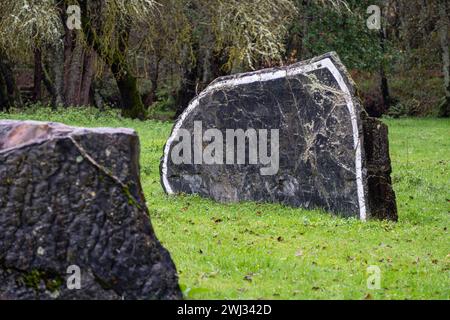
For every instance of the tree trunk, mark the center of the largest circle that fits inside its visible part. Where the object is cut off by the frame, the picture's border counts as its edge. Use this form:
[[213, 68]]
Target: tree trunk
[[73, 83], [48, 83], [87, 77], [188, 85], [424, 19], [404, 24], [154, 76], [444, 25], [4, 101], [132, 105], [37, 88], [97, 97], [73, 65], [207, 67], [8, 87], [207, 57], [56, 61], [80, 69], [384, 86]]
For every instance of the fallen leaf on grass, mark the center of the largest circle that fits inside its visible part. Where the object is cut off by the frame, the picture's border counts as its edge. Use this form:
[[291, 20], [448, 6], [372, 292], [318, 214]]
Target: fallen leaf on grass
[[249, 277]]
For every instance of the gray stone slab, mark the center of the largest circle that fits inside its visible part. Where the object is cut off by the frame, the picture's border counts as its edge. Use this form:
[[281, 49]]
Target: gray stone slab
[[324, 137]]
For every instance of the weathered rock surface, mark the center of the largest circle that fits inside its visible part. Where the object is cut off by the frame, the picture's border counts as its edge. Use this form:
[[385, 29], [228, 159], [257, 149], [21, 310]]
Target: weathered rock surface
[[331, 155], [72, 196]]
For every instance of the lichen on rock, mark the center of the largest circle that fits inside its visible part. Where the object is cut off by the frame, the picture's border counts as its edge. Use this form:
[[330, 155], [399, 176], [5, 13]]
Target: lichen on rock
[[329, 149], [65, 202]]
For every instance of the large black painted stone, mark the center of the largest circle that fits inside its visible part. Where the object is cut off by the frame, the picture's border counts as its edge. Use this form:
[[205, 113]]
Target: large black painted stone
[[324, 139], [72, 196]]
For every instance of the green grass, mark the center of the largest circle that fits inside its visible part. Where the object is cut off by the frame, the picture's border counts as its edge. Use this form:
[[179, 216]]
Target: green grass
[[268, 251]]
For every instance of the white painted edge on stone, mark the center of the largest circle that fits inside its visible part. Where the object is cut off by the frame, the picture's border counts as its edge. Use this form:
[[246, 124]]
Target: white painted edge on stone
[[356, 139], [267, 76]]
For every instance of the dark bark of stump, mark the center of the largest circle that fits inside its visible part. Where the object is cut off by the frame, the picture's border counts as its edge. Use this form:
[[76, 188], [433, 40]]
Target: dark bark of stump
[[381, 196]]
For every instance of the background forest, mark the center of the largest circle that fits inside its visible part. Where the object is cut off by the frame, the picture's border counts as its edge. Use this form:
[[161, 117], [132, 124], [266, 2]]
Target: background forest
[[150, 58]]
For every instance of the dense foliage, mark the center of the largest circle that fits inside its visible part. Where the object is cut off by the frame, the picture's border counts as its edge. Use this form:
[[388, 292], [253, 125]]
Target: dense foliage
[[155, 55]]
